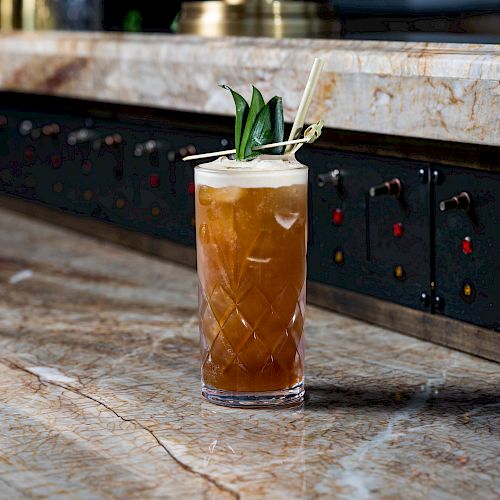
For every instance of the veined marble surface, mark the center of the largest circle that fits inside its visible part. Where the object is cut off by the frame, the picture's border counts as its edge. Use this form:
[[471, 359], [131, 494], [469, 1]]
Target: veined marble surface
[[100, 394], [426, 90]]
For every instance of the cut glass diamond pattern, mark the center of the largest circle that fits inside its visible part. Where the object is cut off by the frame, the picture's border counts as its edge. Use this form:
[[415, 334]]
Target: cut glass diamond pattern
[[235, 346]]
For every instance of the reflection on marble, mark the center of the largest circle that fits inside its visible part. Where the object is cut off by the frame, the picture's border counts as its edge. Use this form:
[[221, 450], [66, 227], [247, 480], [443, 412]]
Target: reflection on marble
[[99, 393], [427, 90]]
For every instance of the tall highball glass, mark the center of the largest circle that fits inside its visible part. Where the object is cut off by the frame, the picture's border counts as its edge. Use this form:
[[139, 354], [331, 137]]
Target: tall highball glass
[[251, 228]]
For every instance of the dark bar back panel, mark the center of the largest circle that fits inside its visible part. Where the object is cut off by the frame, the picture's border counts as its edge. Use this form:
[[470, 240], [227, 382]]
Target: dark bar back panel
[[376, 224]]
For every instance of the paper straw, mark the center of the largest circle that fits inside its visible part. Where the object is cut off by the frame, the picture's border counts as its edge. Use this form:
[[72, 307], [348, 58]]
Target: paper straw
[[300, 118]]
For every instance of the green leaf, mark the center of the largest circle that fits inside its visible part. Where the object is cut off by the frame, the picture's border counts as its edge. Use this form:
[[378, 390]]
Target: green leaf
[[255, 106], [241, 117], [268, 127], [278, 123]]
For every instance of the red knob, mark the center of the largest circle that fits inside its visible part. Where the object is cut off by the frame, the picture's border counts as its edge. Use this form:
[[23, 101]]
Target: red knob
[[154, 180], [56, 161], [86, 166], [467, 245], [191, 188], [29, 154], [338, 216], [397, 229]]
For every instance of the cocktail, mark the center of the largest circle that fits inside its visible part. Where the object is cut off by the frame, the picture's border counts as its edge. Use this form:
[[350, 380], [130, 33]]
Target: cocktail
[[251, 232], [251, 224]]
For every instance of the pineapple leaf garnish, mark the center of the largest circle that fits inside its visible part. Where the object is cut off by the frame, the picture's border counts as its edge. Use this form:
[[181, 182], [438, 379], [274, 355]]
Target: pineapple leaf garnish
[[241, 117], [257, 124], [268, 128], [255, 106]]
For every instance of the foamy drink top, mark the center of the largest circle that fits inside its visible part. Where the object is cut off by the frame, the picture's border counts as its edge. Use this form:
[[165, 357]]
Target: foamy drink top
[[262, 172]]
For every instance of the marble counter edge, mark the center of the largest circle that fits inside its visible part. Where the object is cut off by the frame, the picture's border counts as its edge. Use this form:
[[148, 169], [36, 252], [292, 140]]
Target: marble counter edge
[[424, 90], [408, 59]]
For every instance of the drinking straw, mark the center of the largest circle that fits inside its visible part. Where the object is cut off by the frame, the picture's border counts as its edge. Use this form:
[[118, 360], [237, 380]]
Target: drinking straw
[[300, 117]]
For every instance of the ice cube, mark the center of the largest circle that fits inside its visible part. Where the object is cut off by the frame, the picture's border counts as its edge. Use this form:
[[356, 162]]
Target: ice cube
[[287, 220], [228, 194], [204, 195]]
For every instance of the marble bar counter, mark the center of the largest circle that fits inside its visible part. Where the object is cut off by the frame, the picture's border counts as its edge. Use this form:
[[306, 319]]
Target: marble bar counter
[[425, 90], [100, 394]]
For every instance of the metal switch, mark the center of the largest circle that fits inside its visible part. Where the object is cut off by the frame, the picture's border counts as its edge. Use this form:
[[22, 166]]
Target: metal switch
[[460, 201], [392, 187], [332, 178]]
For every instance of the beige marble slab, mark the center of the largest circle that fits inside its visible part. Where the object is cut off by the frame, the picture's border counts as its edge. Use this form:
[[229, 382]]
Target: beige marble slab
[[99, 393], [425, 90]]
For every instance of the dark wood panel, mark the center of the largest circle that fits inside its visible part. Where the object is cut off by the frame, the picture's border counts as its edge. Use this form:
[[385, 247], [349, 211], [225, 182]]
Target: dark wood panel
[[442, 152], [180, 254], [434, 328]]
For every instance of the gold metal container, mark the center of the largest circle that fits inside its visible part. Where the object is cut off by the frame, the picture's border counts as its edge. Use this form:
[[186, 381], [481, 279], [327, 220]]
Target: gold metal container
[[268, 18], [27, 15], [10, 14], [50, 15]]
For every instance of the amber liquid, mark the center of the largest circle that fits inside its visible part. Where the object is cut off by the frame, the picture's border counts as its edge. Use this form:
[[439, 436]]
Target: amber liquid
[[251, 251]]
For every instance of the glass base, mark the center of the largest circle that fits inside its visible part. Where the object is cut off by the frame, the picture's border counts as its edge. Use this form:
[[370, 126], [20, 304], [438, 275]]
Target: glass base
[[268, 399]]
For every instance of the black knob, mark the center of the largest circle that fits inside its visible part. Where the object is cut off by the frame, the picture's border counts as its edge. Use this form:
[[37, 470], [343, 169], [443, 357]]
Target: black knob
[[436, 177], [423, 176], [438, 302], [147, 147], [425, 299], [392, 187], [111, 140], [25, 127], [332, 178], [460, 201], [50, 129], [80, 136], [3, 120]]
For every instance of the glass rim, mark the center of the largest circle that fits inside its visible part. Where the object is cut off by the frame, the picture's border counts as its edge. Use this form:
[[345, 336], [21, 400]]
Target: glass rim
[[240, 170]]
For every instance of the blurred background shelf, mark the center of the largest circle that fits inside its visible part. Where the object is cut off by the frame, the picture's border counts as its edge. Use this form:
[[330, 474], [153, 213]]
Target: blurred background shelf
[[471, 21]]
